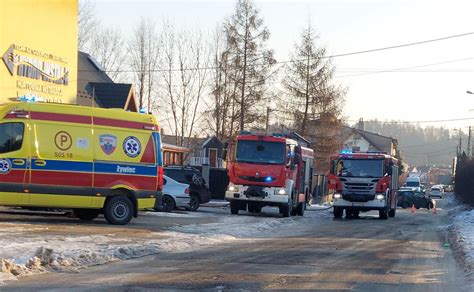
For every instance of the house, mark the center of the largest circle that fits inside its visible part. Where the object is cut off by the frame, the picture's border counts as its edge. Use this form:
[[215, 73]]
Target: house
[[95, 88], [357, 139], [195, 151]]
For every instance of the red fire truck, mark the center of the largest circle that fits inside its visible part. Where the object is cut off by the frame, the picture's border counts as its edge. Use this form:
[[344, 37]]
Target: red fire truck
[[269, 170], [364, 181]]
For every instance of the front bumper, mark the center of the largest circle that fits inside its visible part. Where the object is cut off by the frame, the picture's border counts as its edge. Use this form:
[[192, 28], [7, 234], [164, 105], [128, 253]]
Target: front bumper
[[267, 194], [369, 205]]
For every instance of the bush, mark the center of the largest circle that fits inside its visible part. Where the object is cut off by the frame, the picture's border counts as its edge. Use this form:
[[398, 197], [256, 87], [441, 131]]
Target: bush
[[464, 182]]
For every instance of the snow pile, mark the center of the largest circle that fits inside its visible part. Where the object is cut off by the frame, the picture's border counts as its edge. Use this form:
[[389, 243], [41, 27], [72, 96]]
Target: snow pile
[[37, 255], [28, 249], [463, 229]]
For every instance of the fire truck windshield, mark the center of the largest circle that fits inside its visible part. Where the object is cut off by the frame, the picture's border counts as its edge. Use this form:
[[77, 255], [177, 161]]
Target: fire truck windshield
[[261, 152], [360, 168]]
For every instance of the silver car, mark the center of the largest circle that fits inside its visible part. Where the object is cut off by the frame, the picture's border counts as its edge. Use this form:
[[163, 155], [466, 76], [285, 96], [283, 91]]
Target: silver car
[[175, 195], [436, 192]]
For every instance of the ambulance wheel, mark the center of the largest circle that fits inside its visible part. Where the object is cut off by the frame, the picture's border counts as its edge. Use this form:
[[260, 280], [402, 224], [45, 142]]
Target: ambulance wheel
[[338, 212], [86, 214], [234, 208], [118, 210]]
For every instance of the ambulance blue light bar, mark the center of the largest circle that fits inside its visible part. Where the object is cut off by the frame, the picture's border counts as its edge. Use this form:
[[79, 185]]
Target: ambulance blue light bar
[[345, 151]]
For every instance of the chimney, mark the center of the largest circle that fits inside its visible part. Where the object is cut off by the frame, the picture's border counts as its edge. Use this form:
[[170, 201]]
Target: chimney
[[360, 125]]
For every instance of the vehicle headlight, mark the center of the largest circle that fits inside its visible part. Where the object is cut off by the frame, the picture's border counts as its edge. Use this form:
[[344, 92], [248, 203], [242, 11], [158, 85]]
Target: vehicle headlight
[[380, 197], [233, 188], [280, 192], [337, 196]]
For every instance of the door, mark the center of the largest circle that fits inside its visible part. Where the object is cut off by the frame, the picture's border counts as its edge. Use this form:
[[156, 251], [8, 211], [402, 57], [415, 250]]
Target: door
[[13, 163], [213, 157], [61, 165]]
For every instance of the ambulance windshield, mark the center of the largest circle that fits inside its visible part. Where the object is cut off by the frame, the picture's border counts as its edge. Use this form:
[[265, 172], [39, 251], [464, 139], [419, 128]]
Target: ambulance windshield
[[11, 137]]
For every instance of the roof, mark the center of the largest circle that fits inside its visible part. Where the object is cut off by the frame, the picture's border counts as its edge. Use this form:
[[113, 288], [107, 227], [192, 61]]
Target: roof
[[89, 71], [110, 95], [193, 142], [380, 142], [93, 82]]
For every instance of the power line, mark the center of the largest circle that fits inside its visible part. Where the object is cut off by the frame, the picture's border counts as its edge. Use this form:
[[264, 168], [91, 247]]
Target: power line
[[294, 61], [414, 122]]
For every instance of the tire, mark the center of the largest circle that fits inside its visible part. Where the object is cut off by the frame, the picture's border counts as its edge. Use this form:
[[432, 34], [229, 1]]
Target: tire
[[300, 209], [392, 212], [118, 210], [167, 204], [338, 212], [234, 208], [430, 206], [405, 205], [286, 210], [86, 214], [383, 213], [193, 203]]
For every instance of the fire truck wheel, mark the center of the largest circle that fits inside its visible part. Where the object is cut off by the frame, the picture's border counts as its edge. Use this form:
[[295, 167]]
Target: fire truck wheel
[[234, 208], [392, 212], [300, 209], [118, 210], [383, 213], [86, 214], [286, 210], [338, 212]]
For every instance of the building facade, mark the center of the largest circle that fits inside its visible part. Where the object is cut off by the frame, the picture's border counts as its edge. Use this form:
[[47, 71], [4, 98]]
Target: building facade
[[39, 57]]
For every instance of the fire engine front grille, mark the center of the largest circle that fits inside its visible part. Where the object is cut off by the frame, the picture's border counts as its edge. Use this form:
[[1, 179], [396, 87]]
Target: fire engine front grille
[[358, 191]]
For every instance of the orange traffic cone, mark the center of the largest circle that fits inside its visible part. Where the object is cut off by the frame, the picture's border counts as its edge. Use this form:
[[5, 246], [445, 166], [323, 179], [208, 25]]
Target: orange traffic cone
[[413, 208], [434, 209]]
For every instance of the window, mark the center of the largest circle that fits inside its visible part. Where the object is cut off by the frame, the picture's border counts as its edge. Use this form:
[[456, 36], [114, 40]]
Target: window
[[261, 152], [11, 137], [360, 167]]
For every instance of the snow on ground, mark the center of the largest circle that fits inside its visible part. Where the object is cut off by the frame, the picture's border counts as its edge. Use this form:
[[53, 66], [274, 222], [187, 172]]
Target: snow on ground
[[29, 248], [462, 230]]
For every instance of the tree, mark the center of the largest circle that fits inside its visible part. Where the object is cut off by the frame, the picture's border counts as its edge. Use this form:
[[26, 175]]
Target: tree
[[106, 46], [248, 56], [221, 114], [311, 101], [185, 76], [87, 23], [307, 83], [144, 52]]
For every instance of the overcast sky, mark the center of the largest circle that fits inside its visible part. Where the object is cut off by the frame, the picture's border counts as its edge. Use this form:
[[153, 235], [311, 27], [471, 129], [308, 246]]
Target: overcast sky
[[426, 93]]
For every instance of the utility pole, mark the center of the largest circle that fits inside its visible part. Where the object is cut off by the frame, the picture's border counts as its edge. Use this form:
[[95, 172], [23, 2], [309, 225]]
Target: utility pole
[[469, 144], [460, 142]]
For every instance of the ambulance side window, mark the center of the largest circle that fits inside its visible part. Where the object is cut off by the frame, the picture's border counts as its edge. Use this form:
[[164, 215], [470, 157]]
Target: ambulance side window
[[11, 137]]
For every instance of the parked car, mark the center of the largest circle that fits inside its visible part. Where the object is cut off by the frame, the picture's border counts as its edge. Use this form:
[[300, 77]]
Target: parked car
[[198, 191], [406, 199], [436, 192], [175, 195]]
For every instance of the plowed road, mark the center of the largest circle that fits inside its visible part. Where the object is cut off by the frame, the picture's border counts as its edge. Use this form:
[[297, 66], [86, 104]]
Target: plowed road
[[405, 253]]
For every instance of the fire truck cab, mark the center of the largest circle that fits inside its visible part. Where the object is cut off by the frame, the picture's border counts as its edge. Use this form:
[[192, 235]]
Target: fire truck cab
[[364, 181], [269, 170]]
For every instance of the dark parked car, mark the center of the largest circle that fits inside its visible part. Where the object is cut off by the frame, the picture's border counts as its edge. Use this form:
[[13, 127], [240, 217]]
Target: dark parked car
[[406, 199], [197, 187]]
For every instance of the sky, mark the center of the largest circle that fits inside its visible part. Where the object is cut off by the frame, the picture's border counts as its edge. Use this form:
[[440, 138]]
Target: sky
[[434, 90]]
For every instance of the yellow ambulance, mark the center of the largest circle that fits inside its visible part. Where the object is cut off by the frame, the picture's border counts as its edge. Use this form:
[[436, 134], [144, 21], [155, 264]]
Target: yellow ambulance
[[90, 160]]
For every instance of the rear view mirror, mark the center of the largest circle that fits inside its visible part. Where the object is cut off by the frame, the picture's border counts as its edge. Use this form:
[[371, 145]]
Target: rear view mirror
[[296, 159]]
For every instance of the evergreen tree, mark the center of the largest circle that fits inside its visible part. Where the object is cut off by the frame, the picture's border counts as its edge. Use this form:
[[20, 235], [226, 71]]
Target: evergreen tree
[[251, 61]]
